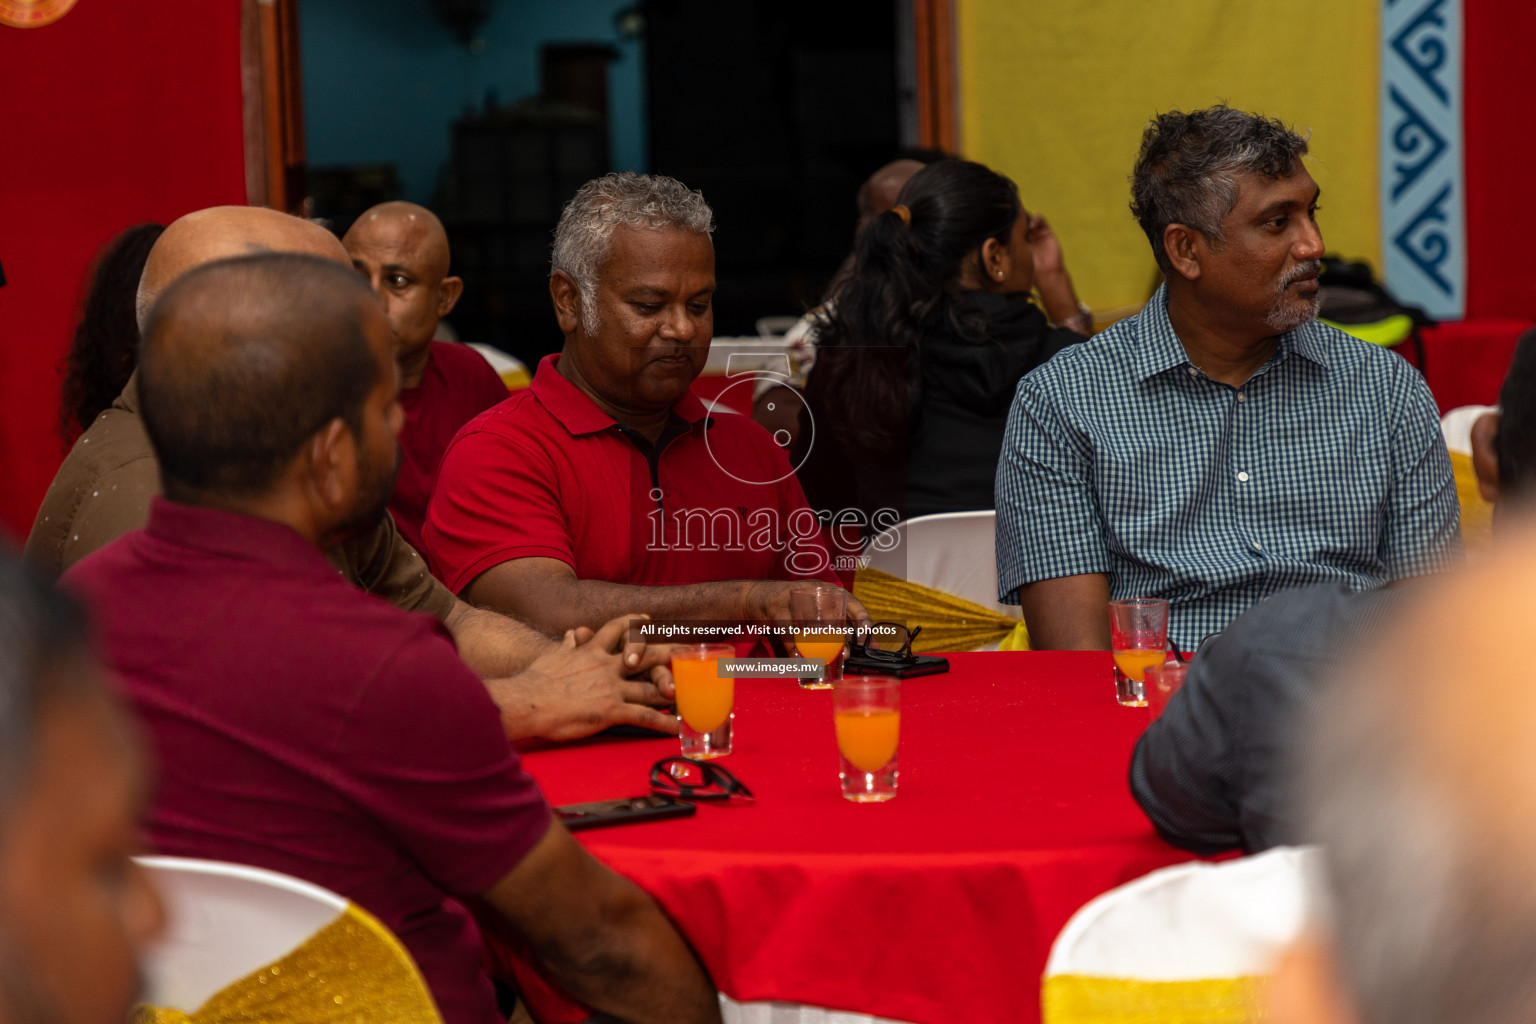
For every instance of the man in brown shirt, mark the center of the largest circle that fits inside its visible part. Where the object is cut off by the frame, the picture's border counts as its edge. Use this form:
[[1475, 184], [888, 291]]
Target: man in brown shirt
[[104, 487]]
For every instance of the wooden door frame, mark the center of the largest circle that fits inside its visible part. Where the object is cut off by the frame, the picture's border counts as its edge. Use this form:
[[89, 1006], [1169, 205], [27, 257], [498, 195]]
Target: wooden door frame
[[273, 97], [933, 37]]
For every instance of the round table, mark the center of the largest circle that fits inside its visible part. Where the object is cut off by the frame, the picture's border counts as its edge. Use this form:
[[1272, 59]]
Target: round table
[[938, 906]]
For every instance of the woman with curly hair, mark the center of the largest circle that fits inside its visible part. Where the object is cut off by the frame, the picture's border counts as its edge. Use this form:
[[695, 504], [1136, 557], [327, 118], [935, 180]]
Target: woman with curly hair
[[104, 351]]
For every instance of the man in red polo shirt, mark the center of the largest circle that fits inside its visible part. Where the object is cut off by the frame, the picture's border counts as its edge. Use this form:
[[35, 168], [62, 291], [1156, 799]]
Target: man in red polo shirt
[[605, 486], [402, 250], [301, 725]]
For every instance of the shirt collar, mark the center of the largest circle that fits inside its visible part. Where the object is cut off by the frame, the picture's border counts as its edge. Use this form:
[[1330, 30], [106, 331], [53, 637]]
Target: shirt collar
[[1158, 347], [248, 538], [1310, 341], [129, 398], [577, 412]]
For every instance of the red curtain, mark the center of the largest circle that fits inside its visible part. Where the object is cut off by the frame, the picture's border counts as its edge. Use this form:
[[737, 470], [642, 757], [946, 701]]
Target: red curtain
[[118, 113], [1500, 153]]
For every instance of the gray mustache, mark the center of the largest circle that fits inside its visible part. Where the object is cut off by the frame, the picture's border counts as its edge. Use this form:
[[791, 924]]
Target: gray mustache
[[1300, 271]]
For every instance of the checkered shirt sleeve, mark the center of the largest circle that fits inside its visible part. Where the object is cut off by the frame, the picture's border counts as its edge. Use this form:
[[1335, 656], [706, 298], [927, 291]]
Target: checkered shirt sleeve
[[1048, 521], [1423, 528]]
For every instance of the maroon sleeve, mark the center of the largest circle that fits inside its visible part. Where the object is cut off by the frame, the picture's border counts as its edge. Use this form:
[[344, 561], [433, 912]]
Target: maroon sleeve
[[495, 500], [473, 381], [423, 752], [490, 389]]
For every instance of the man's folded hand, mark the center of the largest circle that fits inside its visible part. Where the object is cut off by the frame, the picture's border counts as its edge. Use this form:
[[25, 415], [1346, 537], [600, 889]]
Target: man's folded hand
[[588, 683]]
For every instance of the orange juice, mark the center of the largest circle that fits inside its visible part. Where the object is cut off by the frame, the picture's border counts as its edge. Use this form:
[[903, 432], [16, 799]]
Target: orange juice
[[821, 644], [703, 700], [1133, 664], [867, 736]]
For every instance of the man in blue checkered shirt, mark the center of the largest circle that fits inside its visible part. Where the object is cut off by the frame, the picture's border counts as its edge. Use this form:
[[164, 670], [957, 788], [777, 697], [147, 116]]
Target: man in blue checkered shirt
[[1221, 445]]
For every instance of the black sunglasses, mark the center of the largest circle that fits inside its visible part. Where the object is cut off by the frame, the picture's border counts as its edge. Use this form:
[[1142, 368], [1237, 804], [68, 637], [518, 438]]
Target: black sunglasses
[[696, 780], [861, 643]]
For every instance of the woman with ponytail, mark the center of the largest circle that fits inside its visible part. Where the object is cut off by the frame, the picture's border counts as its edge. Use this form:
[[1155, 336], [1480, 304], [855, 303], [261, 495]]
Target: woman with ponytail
[[921, 347]]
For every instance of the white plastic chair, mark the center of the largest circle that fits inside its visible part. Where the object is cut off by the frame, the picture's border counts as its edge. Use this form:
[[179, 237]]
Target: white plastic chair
[[1182, 944], [952, 553], [1476, 513], [1456, 426], [226, 922], [512, 371], [733, 1012], [948, 551]]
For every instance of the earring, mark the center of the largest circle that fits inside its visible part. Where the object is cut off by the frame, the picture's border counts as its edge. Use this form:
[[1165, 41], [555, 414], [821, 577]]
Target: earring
[[999, 275]]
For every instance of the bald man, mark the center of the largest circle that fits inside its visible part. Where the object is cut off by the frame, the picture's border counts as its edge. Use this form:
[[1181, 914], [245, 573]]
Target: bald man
[[105, 486], [1415, 778], [879, 191], [402, 250]]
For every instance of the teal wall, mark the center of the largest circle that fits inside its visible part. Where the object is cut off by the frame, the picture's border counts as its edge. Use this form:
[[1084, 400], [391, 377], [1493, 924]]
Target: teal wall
[[383, 79]]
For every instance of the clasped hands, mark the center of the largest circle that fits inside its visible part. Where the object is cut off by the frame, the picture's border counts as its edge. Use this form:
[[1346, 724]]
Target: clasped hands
[[589, 681]]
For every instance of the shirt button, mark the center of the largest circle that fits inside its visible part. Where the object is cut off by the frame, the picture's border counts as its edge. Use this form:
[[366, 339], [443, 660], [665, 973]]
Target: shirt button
[[1241, 397], [1193, 371], [1243, 477]]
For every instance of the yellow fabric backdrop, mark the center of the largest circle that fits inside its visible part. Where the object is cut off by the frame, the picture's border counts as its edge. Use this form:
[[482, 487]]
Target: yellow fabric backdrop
[[1055, 94]]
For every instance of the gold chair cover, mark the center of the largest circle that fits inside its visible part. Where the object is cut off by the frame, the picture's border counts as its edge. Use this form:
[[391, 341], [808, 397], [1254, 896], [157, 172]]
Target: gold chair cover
[[949, 623], [352, 971], [1084, 999], [1476, 514]]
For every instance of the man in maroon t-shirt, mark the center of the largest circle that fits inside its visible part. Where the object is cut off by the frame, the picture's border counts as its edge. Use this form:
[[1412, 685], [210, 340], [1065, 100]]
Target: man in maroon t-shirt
[[301, 725], [606, 485], [402, 250]]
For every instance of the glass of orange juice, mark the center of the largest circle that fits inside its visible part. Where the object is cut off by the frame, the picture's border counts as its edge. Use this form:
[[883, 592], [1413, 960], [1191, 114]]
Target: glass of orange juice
[[1138, 636], [819, 614], [866, 711], [704, 699]]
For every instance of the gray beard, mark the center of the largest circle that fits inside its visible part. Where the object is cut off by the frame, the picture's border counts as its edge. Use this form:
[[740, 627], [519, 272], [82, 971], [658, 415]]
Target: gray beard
[[1287, 315]]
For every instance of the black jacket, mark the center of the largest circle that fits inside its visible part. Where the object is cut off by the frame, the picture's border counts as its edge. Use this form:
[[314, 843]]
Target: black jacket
[[943, 458]]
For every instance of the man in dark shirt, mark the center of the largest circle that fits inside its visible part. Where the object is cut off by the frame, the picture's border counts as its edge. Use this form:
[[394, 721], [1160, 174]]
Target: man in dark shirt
[[303, 726], [1209, 772]]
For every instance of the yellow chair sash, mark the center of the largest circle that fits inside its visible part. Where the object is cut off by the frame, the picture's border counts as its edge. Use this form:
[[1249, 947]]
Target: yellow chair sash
[[351, 971], [1084, 999], [949, 623], [1476, 514]]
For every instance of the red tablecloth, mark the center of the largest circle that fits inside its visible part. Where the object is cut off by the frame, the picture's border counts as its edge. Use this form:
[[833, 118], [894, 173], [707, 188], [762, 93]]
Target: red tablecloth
[[939, 906]]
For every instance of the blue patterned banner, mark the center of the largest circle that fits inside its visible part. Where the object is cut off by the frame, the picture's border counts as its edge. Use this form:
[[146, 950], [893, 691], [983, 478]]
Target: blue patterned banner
[[1420, 164]]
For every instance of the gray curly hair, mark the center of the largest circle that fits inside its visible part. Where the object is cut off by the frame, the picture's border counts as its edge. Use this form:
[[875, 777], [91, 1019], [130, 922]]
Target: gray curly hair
[[585, 231], [1188, 167]]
